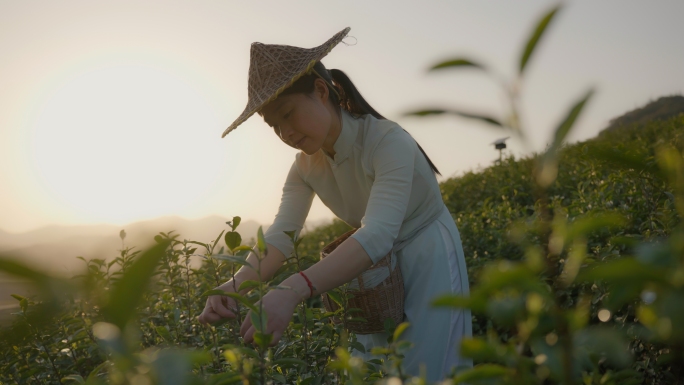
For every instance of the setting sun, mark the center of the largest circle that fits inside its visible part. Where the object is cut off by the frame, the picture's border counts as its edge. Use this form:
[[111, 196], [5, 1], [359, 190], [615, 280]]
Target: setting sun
[[115, 143]]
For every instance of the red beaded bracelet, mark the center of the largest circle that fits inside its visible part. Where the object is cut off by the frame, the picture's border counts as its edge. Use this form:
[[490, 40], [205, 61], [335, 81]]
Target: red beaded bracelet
[[308, 282]]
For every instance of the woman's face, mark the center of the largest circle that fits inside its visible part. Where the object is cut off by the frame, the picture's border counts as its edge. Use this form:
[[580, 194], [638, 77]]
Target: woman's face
[[302, 121]]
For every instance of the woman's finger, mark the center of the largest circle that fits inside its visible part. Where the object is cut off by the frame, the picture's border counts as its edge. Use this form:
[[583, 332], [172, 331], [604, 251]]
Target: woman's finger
[[249, 335], [218, 306], [209, 317], [246, 324], [277, 335]]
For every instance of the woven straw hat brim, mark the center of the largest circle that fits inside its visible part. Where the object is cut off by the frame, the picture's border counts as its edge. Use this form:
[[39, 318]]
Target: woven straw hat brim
[[273, 68]]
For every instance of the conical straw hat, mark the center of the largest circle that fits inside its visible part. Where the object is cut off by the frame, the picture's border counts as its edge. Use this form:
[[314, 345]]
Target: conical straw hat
[[273, 68]]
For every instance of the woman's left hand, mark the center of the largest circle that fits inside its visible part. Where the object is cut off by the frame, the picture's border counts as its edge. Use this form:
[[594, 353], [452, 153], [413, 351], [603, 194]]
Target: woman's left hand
[[279, 306]]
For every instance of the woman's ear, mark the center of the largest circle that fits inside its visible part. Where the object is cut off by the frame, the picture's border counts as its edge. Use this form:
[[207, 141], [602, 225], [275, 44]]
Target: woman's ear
[[321, 90]]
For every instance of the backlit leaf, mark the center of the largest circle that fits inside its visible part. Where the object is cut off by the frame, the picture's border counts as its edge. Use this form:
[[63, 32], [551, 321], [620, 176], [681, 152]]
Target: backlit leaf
[[128, 291], [536, 36], [233, 239], [458, 62], [464, 114]]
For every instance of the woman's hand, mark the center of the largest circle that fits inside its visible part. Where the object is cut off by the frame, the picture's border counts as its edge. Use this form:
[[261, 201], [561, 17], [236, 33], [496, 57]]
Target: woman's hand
[[279, 306], [218, 306]]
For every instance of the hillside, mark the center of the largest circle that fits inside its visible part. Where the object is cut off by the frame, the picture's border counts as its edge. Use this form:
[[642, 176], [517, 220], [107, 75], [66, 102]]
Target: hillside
[[56, 247], [663, 108]]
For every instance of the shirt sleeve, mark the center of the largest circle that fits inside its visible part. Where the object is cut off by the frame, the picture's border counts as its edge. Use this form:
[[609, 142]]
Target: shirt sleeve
[[294, 208], [393, 165]]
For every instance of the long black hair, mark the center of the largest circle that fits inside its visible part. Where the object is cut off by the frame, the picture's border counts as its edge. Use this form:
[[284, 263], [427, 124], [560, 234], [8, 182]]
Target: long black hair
[[349, 96]]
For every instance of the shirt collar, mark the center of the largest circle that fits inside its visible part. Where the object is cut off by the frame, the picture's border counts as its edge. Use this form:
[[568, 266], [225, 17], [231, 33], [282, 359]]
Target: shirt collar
[[345, 142]]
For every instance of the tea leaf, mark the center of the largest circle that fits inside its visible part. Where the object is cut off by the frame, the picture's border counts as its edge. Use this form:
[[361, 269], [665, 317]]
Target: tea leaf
[[233, 239], [399, 330], [235, 223], [536, 35], [469, 115], [248, 285], [482, 372], [586, 225], [261, 241], [128, 291], [73, 378], [164, 333], [566, 125], [460, 62], [17, 297], [290, 362]]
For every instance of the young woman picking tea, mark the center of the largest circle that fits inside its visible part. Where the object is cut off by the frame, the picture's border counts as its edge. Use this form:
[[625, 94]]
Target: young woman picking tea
[[373, 175]]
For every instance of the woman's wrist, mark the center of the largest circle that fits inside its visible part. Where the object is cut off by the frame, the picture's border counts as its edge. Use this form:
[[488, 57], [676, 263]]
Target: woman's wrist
[[299, 286]]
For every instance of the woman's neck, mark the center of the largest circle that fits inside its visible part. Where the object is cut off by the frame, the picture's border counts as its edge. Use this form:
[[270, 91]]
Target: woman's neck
[[333, 133]]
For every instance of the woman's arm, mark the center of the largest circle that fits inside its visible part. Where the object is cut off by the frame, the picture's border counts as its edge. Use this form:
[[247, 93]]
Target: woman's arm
[[345, 263], [342, 265], [218, 307]]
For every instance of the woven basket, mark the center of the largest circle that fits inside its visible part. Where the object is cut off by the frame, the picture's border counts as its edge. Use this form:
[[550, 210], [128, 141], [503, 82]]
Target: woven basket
[[386, 300]]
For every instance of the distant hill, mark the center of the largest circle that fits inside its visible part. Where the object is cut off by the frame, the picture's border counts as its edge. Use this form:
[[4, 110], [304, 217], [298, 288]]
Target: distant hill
[[56, 247], [663, 108]]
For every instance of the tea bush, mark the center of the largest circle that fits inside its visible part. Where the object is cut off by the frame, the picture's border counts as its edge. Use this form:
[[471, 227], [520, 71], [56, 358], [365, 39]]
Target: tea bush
[[575, 256]]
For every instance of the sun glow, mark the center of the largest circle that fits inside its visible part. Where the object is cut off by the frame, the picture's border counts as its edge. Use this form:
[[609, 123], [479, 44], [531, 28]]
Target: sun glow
[[122, 143]]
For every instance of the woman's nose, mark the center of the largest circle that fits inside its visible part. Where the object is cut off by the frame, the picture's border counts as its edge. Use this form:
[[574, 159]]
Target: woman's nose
[[285, 132]]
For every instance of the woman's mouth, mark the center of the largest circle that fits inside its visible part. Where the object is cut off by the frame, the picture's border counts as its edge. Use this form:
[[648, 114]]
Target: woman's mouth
[[299, 144]]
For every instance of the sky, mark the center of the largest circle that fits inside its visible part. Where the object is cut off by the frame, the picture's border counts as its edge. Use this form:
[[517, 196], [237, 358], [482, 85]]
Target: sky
[[112, 112]]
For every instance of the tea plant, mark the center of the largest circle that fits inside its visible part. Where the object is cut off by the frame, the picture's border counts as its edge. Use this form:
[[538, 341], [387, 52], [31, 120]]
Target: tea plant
[[539, 286]]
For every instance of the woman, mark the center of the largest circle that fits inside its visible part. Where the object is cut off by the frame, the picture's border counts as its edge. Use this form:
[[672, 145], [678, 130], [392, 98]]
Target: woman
[[374, 176]]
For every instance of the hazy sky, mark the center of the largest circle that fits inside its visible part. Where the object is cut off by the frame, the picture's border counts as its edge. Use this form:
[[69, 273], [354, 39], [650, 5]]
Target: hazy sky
[[111, 112]]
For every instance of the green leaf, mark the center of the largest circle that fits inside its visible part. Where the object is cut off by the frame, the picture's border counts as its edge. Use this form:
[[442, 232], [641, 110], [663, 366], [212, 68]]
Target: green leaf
[[259, 323], [235, 223], [261, 241], [263, 340], [217, 239], [399, 330], [479, 350], [17, 297], [96, 371], [291, 234], [469, 115], [21, 270], [566, 125], [536, 36], [237, 260], [73, 377], [548, 169], [290, 362], [482, 372], [127, 292], [24, 304], [451, 300], [627, 271], [606, 342], [586, 225], [460, 62], [164, 333], [336, 297], [389, 325], [248, 285], [233, 239]]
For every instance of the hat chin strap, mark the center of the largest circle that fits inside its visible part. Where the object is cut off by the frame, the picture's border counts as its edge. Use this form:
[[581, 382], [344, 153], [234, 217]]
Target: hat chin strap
[[332, 87]]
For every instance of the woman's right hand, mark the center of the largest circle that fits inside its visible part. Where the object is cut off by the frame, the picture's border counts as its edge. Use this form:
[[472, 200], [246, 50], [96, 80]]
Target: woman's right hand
[[219, 306]]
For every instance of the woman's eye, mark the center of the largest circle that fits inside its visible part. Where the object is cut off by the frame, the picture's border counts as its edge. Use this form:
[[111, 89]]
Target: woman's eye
[[287, 115]]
